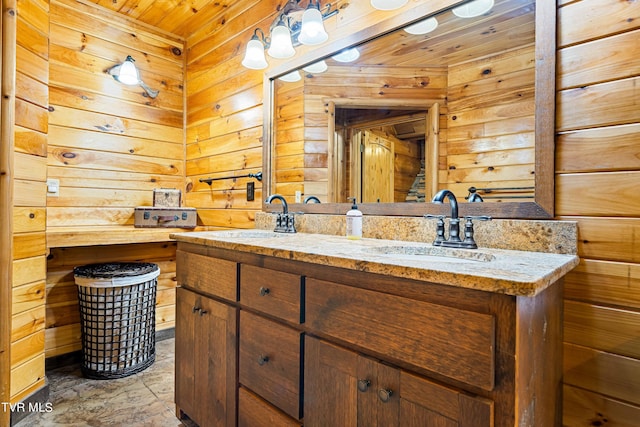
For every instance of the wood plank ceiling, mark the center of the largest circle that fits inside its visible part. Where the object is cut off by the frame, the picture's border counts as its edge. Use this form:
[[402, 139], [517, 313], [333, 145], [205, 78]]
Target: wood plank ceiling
[[178, 17]]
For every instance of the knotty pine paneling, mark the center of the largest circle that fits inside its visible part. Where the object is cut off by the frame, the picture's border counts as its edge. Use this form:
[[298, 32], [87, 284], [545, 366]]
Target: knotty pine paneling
[[30, 174], [597, 166], [110, 145]]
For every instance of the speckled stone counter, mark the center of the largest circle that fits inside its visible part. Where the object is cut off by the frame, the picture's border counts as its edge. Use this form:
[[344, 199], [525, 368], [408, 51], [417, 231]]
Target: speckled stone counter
[[512, 272]]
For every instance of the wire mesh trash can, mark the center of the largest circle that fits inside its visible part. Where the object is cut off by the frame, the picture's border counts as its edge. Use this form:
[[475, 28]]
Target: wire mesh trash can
[[117, 317]]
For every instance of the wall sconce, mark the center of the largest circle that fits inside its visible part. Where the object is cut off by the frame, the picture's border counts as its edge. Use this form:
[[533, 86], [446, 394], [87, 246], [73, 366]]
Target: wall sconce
[[127, 73], [293, 26]]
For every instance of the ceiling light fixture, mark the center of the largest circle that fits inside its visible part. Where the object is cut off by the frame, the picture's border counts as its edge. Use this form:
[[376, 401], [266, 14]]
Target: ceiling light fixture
[[473, 8], [127, 73], [294, 25], [388, 4]]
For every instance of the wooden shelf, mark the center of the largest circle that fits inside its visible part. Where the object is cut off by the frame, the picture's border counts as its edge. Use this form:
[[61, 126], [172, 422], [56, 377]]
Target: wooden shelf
[[62, 237]]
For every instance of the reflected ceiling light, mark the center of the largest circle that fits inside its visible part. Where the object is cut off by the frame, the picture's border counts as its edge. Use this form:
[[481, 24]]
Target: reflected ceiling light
[[294, 25], [388, 4], [423, 27], [473, 8], [317, 67], [127, 73], [347, 55], [293, 76]]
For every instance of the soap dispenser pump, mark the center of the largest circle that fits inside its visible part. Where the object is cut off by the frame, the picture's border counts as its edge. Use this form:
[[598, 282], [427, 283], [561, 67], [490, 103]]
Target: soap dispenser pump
[[354, 221]]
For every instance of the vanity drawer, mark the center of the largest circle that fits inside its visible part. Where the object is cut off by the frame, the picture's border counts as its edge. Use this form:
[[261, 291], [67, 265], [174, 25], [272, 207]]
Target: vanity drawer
[[269, 361], [212, 276], [273, 292], [255, 412], [456, 343]]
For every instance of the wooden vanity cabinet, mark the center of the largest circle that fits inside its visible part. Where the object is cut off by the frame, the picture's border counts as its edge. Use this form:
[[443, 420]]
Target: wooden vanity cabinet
[[324, 346]]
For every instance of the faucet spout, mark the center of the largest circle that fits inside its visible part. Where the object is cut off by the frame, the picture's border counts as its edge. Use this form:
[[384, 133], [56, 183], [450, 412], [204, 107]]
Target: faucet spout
[[285, 206], [453, 202]]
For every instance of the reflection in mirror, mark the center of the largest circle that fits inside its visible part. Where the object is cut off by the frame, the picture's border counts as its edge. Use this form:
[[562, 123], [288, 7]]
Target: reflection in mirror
[[451, 104]]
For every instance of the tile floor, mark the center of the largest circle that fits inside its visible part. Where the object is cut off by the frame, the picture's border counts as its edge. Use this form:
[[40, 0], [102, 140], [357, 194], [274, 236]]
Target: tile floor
[[144, 399]]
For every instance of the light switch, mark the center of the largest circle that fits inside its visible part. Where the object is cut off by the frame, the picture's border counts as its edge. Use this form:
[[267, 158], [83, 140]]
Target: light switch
[[53, 187], [298, 196]]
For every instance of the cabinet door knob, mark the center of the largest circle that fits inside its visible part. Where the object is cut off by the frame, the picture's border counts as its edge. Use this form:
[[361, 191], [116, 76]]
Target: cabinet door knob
[[385, 395], [363, 385], [264, 291], [262, 359]]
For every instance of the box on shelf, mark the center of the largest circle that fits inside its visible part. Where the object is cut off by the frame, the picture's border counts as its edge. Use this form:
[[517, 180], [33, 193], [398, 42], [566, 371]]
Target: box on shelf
[[167, 197]]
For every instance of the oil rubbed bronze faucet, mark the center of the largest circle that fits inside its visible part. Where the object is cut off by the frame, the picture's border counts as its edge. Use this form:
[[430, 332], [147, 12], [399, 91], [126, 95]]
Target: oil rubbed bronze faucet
[[454, 240], [284, 221]]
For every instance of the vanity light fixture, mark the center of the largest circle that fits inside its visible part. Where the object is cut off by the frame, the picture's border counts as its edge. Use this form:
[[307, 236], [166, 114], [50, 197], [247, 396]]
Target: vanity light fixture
[[294, 25], [347, 55], [423, 27], [473, 8], [388, 4], [127, 73]]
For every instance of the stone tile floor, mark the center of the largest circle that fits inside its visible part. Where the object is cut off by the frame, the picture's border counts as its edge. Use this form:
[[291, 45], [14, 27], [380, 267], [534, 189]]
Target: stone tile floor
[[143, 399]]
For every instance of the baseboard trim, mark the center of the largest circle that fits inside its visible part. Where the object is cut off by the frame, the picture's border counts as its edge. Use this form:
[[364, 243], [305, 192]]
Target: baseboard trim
[[35, 402]]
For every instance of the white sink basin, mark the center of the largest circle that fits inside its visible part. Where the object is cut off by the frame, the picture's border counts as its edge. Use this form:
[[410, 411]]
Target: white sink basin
[[433, 253]]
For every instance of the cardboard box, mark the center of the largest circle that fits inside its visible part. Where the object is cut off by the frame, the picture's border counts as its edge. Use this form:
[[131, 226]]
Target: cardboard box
[[156, 217], [167, 197]]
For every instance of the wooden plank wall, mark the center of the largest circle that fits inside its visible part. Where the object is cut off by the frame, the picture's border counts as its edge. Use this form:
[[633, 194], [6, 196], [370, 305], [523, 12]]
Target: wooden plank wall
[[598, 171], [30, 160], [491, 106], [109, 145]]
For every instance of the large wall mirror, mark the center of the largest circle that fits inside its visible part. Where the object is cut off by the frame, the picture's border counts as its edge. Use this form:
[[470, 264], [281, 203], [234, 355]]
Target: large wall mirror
[[467, 105]]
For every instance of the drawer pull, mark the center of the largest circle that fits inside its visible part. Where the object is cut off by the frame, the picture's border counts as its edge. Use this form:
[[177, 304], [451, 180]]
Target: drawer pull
[[262, 359], [203, 312], [264, 291], [363, 385], [195, 308], [385, 395]]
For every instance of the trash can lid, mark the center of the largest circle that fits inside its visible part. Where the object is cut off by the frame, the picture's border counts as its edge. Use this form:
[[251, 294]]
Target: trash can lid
[[115, 273]]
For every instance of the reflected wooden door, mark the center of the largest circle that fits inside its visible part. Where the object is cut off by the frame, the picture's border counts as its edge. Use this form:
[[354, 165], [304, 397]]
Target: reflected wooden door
[[377, 167]]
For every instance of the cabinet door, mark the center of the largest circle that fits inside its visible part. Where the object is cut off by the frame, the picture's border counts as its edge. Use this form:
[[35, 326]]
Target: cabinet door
[[207, 357], [330, 388]]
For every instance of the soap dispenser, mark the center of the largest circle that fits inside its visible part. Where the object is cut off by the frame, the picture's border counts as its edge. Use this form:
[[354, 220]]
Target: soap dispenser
[[354, 221]]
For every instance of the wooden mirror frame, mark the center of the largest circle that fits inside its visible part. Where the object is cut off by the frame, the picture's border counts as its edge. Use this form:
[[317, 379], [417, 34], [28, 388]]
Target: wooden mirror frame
[[542, 206]]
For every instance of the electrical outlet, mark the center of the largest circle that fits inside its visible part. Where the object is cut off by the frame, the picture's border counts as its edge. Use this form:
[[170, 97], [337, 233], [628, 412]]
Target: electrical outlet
[[53, 187], [250, 191]]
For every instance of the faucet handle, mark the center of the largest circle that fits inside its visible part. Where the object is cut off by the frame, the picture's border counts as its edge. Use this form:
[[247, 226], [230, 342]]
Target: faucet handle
[[431, 216], [439, 228]]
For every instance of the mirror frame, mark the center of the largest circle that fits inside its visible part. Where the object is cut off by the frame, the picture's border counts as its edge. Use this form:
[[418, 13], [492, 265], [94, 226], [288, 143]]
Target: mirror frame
[[542, 206]]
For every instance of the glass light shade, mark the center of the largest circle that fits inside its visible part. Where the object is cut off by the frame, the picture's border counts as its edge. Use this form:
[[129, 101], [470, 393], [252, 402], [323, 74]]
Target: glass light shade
[[348, 55], [128, 73], [473, 8], [254, 55], [388, 4], [423, 27], [293, 76], [317, 67], [281, 46], [312, 31]]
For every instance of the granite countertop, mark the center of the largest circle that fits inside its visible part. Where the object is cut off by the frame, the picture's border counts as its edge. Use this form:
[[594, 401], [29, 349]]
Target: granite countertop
[[511, 272]]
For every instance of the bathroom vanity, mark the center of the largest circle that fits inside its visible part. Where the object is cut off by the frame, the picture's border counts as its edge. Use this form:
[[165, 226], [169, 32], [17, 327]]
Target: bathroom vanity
[[292, 329]]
